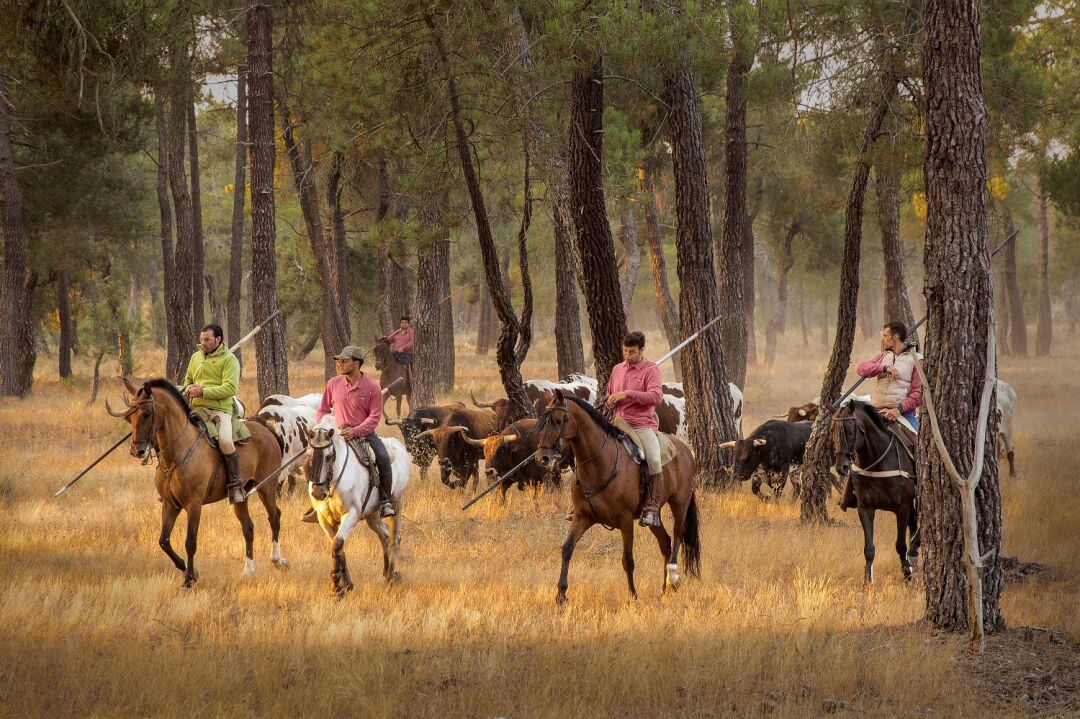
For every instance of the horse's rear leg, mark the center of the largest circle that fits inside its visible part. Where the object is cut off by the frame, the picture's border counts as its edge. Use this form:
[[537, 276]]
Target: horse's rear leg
[[395, 544], [248, 528], [273, 514], [628, 556], [901, 542], [670, 555], [915, 541], [169, 513], [577, 528], [379, 527], [191, 543], [866, 518]]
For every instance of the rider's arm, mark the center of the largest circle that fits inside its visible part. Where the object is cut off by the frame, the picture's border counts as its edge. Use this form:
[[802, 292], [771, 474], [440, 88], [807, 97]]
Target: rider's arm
[[914, 395], [654, 390], [230, 380], [374, 410], [871, 367]]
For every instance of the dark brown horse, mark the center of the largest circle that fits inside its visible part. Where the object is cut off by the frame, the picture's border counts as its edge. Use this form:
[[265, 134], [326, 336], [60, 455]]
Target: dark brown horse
[[607, 488], [391, 370], [191, 473], [882, 477]]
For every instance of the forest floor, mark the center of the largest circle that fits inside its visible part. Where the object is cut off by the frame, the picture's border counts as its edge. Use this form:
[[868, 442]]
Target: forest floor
[[93, 620]]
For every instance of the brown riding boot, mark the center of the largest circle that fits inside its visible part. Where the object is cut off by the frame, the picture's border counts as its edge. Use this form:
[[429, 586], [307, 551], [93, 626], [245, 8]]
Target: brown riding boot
[[650, 513], [233, 487]]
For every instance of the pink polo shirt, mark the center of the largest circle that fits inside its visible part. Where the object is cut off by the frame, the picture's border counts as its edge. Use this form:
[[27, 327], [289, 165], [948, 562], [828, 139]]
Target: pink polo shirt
[[641, 382], [401, 341], [355, 405]]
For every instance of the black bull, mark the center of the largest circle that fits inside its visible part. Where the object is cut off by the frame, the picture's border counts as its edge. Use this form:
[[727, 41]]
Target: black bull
[[774, 446]]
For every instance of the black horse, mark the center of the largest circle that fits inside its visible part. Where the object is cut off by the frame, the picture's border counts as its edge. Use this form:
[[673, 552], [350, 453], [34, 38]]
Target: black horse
[[882, 476]]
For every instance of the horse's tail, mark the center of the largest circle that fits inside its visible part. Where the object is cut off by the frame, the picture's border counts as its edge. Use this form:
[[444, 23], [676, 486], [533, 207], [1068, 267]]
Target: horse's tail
[[692, 539]]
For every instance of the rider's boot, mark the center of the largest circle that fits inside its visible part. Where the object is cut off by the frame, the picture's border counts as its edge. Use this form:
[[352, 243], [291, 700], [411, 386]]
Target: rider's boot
[[386, 483], [233, 487], [650, 513]]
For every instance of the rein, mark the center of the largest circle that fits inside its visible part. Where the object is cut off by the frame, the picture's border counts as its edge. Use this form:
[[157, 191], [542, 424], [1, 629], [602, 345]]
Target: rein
[[334, 482], [866, 471]]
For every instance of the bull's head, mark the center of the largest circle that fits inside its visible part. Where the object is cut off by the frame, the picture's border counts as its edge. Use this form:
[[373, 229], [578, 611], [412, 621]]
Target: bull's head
[[748, 455]]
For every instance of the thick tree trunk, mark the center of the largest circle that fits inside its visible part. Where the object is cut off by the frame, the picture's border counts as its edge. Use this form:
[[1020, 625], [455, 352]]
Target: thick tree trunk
[[665, 304], [749, 290], [569, 355], [1044, 328], [819, 454], [959, 299], [607, 321], [270, 352], [236, 237], [516, 334], [897, 306], [733, 264], [445, 356], [394, 298], [1017, 322], [63, 315], [337, 246], [198, 253], [708, 400], [778, 322], [631, 261], [485, 322], [427, 297], [168, 270], [181, 327], [335, 334]]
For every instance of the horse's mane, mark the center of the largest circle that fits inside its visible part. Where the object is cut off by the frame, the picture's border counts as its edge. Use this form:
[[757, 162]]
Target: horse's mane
[[595, 414], [870, 411], [170, 389]]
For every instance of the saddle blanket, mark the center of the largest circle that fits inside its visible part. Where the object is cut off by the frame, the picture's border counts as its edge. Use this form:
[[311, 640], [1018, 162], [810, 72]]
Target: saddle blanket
[[668, 450], [240, 431]]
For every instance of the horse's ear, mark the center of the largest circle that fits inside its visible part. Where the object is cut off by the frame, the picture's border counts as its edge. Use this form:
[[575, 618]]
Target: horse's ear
[[559, 396], [130, 387]]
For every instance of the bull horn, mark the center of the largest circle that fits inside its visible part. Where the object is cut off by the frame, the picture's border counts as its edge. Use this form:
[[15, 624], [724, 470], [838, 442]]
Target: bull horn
[[510, 438], [391, 420], [458, 428], [779, 416], [425, 433], [759, 442], [483, 405], [427, 420], [473, 442], [127, 384], [725, 445], [114, 413]]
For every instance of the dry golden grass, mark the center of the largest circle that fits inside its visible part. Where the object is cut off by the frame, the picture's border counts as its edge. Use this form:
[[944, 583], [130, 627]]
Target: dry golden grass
[[93, 619]]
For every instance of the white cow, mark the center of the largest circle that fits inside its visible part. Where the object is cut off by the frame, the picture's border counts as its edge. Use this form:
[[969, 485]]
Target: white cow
[[675, 398], [1006, 409]]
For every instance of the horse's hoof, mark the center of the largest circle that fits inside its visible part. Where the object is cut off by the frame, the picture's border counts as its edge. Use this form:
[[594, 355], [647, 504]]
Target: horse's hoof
[[281, 563], [189, 581], [392, 577], [561, 598], [249, 567]]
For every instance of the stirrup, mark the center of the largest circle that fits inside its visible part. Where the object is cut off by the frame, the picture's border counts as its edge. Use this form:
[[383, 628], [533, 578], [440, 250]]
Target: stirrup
[[235, 493], [386, 509]]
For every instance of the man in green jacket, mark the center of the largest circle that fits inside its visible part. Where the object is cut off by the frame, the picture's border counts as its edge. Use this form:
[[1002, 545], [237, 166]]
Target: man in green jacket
[[213, 375]]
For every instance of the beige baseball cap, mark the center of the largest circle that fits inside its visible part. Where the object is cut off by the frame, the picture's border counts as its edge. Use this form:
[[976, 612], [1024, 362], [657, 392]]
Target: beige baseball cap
[[351, 352]]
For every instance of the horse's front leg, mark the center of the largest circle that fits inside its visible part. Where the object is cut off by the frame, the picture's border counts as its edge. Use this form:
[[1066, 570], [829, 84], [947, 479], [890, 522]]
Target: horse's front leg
[[169, 513], [628, 556], [866, 518], [901, 542], [577, 528], [191, 543], [348, 522]]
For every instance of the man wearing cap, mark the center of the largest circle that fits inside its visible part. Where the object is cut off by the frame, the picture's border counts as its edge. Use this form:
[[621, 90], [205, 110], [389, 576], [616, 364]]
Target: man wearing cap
[[402, 341], [356, 401]]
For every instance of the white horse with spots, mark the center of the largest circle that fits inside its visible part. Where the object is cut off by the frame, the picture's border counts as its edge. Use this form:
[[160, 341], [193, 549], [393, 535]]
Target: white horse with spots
[[291, 423], [342, 494]]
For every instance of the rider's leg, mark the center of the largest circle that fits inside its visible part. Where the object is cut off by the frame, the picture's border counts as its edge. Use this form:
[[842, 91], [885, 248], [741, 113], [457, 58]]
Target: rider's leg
[[233, 486], [386, 477], [654, 495]]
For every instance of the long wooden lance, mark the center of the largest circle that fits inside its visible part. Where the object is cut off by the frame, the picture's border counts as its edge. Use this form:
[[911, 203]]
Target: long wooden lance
[[688, 340], [497, 482], [287, 462], [919, 324], [246, 338]]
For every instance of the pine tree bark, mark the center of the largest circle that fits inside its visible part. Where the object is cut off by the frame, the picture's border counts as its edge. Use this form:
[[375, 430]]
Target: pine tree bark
[[1017, 322], [63, 314], [631, 261], [198, 247], [270, 351], [607, 321], [181, 327], [778, 321], [897, 305], [569, 355], [236, 237], [1044, 328], [427, 297], [394, 300], [959, 297], [708, 399], [168, 270], [485, 323], [337, 245], [733, 262], [666, 308], [445, 355], [819, 454], [17, 352]]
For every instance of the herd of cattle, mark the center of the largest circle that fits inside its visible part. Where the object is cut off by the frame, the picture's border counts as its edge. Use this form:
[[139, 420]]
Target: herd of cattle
[[460, 436]]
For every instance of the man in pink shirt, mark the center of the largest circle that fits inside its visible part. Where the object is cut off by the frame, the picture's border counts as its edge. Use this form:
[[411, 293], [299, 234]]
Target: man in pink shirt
[[634, 391], [356, 401], [897, 391], [401, 342]]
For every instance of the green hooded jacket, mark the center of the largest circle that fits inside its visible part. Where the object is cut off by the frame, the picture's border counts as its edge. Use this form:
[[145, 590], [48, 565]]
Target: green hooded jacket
[[219, 376]]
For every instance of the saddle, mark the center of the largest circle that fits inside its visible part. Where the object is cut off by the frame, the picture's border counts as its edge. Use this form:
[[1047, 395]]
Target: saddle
[[630, 441], [905, 436], [361, 449], [209, 429]]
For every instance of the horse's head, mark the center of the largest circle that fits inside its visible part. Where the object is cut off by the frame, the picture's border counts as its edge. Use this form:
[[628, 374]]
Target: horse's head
[[555, 427], [319, 465], [844, 431], [141, 414], [382, 353]]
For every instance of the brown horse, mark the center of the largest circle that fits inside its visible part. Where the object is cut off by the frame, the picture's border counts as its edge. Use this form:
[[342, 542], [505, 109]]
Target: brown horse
[[391, 370], [607, 488], [191, 473]]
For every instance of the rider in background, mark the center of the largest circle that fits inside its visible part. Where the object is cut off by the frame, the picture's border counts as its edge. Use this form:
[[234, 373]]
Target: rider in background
[[898, 390]]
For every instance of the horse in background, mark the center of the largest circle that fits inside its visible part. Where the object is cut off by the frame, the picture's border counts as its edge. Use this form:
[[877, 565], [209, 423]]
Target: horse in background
[[607, 488], [391, 370], [342, 494], [882, 477], [191, 472]]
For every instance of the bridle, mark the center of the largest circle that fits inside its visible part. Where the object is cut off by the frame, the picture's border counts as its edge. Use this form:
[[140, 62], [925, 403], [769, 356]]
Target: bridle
[[318, 481], [851, 454]]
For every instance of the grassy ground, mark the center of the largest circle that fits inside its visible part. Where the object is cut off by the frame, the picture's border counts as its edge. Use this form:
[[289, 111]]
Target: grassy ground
[[93, 619]]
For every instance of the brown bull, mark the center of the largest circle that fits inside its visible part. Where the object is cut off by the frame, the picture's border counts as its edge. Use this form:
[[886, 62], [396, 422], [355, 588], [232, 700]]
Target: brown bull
[[456, 456]]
